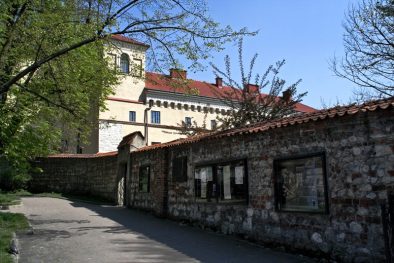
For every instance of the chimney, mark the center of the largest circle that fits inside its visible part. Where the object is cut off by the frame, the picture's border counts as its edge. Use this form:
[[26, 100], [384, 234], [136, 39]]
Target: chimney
[[219, 82], [286, 95], [178, 73], [250, 88]]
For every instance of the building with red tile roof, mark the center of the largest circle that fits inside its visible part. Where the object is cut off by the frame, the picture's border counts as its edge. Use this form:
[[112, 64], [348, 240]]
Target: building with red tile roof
[[128, 40], [156, 105], [156, 81]]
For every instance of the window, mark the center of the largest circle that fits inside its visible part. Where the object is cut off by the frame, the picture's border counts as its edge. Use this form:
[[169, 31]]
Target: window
[[137, 67], [300, 184], [213, 124], [64, 147], [155, 117], [79, 148], [144, 179], [179, 169], [124, 63], [188, 122], [132, 116], [221, 182], [112, 60]]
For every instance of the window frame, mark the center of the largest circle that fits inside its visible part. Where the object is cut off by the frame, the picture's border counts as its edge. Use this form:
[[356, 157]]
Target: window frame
[[183, 170], [137, 67], [134, 115], [113, 60], [215, 124], [140, 188], [217, 199], [188, 122], [278, 191], [121, 63], [157, 119]]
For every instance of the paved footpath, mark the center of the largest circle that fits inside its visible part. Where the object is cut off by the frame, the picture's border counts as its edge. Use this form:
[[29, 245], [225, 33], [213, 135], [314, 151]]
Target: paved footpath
[[69, 231]]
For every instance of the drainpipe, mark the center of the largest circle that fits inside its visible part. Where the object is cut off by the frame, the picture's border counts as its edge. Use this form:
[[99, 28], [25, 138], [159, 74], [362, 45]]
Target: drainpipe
[[146, 124]]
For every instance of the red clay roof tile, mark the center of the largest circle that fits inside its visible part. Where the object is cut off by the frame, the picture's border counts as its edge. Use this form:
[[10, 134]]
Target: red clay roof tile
[[74, 155], [128, 40], [162, 82], [293, 120]]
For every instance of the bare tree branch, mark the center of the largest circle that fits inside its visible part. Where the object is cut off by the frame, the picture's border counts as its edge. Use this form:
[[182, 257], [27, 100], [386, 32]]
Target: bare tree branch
[[369, 48]]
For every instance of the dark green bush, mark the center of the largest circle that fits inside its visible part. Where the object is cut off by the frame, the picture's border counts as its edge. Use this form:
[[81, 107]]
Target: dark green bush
[[12, 179]]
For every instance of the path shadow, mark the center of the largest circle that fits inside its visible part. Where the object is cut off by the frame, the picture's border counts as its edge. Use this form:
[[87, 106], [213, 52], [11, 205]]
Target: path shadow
[[193, 242], [40, 231], [44, 234]]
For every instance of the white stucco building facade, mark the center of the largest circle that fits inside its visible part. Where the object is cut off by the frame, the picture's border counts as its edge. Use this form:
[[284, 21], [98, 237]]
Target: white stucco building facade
[[151, 103]]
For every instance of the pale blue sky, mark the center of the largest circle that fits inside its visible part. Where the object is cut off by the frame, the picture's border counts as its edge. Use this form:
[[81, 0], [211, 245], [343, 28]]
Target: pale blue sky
[[307, 33]]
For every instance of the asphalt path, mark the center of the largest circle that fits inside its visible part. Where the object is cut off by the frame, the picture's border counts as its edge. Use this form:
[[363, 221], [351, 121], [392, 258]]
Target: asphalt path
[[70, 231]]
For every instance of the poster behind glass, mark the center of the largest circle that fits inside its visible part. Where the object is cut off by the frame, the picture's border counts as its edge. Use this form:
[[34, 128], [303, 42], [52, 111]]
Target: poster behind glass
[[301, 185]]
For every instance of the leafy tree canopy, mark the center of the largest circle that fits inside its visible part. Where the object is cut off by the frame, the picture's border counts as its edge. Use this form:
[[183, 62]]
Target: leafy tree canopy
[[52, 68]]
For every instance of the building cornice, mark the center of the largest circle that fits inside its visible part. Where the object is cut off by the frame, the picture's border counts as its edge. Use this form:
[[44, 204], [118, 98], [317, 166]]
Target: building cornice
[[151, 94], [125, 100], [150, 125], [123, 39]]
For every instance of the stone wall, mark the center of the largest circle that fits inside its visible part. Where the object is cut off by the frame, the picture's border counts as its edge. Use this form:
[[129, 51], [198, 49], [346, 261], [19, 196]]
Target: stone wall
[[155, 199], [359, 158], [78, 174]]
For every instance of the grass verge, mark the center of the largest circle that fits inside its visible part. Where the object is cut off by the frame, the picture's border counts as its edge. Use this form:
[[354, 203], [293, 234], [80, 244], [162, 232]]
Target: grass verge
[[10, 198], [9, 223]]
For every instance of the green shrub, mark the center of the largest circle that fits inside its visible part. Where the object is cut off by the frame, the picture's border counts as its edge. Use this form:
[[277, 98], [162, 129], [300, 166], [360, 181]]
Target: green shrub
[[12, 179]]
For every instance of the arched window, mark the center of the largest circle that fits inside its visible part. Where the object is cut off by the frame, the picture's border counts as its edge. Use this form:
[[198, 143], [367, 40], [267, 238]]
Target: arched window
[[125, 63]]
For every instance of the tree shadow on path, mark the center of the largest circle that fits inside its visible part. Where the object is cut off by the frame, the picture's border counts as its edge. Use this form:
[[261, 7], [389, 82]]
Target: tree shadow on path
[[193, 242]]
